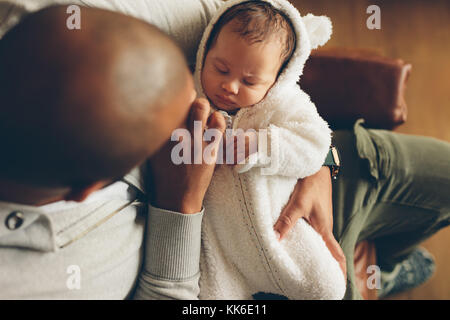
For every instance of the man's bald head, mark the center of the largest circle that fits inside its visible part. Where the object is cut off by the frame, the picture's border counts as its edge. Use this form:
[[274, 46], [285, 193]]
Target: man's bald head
[[79, 106]]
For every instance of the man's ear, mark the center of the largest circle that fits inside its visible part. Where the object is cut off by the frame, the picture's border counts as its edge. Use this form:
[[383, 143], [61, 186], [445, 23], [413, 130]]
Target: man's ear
[[319, 29], [80, 194]]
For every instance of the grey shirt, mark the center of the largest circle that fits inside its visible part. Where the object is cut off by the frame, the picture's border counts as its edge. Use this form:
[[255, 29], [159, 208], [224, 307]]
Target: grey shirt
[[113, 245], [110, 246]]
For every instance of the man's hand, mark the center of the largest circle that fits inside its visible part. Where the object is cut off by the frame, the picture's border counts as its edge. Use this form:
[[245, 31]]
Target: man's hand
[[182, 187], [312, 201]]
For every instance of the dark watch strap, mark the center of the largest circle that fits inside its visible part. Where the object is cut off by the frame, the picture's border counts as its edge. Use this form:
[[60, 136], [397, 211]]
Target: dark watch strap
[[333, 161], [329, 160]]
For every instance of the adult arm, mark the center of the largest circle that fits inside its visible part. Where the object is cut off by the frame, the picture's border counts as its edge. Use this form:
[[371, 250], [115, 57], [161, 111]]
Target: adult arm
[[172, 254], [171, 264], [312, 201], [312, 195]]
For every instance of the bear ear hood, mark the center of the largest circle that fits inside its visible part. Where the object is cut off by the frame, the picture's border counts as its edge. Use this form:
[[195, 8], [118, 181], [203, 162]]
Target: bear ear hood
[[319, 29], [311, 32]]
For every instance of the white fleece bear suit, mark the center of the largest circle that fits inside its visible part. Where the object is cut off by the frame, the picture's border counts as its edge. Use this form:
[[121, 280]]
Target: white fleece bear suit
[[240, 253]]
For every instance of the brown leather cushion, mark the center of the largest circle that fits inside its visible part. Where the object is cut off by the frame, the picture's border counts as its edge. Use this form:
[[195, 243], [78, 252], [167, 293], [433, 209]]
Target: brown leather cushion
[[347, 84]]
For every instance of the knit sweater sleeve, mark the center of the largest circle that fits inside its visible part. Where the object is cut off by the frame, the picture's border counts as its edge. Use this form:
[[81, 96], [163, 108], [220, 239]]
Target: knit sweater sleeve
[[295, 141], [172, 256]]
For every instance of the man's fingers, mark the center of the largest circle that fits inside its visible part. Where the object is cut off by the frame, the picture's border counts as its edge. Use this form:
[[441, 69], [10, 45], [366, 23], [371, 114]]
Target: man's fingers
[[213, 137], [199, 112], [217, 121], [336, 252], [197, 124]]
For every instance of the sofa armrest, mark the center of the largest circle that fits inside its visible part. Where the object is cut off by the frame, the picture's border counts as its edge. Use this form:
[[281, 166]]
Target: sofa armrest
[[347, 84]]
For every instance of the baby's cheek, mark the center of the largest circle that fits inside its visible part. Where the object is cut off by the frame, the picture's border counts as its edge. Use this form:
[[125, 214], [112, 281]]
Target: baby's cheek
[[261, 94], [252, 97], [205, 82]]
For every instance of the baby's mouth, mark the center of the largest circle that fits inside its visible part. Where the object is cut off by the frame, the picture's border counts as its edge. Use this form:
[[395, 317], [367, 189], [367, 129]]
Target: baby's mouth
[[225, 101], [230, 109]]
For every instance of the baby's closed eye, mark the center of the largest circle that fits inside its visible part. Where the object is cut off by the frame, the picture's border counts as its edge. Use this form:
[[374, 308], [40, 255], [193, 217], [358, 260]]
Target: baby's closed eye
[[248, 83], [221, 69]]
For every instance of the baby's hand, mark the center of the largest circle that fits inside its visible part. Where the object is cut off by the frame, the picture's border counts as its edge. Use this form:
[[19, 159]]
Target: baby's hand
[[241, 145]]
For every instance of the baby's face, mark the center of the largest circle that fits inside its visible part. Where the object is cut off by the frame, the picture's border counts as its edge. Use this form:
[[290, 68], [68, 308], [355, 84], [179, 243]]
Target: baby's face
[[237, 74]]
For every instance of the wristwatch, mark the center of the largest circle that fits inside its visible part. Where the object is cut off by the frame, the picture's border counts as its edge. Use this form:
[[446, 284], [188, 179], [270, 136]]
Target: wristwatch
[[333, 161]]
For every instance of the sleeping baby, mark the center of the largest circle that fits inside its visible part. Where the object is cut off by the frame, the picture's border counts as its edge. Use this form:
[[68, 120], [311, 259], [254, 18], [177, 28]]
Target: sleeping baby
[[248, 64]]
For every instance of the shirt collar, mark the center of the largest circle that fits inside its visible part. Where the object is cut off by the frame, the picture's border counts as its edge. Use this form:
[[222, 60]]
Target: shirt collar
[[49, 227], [15, 217]]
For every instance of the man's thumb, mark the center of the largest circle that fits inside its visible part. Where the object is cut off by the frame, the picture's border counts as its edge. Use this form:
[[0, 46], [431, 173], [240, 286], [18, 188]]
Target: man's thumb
[[287, 219], [216, 126]]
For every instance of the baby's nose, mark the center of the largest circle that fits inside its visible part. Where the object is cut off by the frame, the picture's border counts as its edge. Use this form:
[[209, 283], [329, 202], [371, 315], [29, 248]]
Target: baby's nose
[[231, 87]]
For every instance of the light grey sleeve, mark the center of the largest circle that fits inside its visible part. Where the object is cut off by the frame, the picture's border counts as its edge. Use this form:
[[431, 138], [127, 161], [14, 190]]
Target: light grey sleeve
[[172, 256], [184, 20], [10, 14]]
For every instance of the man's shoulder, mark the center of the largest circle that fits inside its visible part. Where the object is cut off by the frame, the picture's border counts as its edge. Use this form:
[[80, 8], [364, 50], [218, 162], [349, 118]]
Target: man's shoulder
[[182, 20], [13, 11]]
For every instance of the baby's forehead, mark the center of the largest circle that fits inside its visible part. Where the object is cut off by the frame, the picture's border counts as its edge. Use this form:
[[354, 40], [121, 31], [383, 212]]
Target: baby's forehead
[[279, 37], [254, 32], [249, 60], [228, 38]]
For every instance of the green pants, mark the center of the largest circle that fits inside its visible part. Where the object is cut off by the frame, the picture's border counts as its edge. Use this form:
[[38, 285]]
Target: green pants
[[393, 189]]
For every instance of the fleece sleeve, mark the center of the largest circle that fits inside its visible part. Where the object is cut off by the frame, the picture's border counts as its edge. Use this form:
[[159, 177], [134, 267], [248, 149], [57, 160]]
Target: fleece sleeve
[[172, 256], [295, 142]]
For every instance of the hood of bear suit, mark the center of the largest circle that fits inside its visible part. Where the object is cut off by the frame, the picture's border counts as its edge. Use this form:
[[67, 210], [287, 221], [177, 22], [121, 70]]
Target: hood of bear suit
[[311, 31]]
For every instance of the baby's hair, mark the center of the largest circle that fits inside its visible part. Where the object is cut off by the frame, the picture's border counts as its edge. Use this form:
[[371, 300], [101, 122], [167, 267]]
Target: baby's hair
[[255, 21]]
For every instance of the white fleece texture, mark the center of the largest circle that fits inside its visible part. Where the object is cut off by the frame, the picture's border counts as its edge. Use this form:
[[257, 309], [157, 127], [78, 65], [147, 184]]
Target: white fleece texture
[[240, 253]]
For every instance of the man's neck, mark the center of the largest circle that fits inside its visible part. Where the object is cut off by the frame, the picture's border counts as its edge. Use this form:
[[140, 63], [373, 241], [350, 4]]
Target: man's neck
[[11, 191]]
